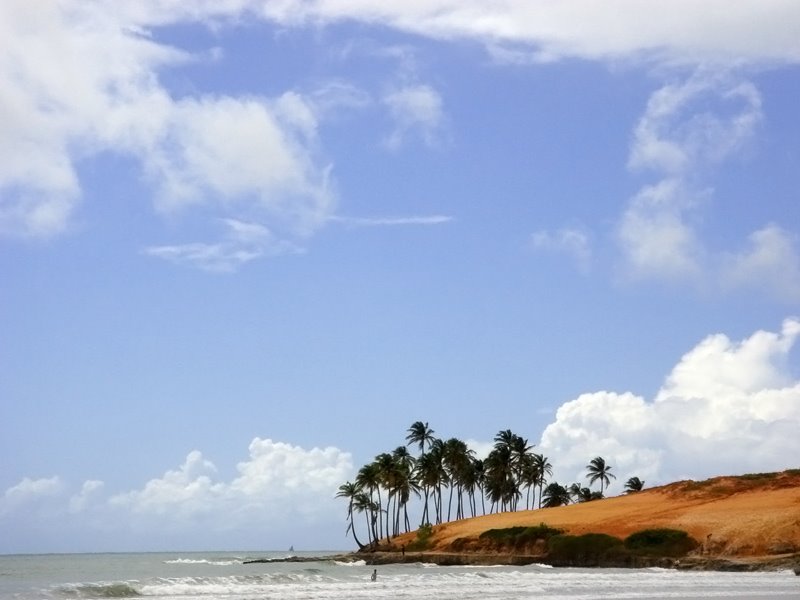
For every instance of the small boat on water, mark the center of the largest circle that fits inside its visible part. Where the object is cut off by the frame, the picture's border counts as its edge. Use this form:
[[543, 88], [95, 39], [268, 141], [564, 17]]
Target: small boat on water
[[291, 548]]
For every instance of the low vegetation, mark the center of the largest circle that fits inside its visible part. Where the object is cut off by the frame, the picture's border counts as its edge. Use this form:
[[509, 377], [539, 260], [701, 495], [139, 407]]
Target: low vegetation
[[660, 542], [589, 549]]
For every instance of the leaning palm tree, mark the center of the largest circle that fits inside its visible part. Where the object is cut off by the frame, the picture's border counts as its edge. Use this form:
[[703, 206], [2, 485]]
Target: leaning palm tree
[[350, 491], [634, 484], [368, 479], [597, 469]]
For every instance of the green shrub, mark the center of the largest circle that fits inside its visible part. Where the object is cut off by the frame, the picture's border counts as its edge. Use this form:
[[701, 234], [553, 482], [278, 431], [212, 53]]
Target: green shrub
[[520, 536], [587, 549], [660, 542], [423, 538]]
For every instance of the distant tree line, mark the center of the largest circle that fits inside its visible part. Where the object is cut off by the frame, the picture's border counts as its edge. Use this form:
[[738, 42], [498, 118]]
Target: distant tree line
[[452, 483]]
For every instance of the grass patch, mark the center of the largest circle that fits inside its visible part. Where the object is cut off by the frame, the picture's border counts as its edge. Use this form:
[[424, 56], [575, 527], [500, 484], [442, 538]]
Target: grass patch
[[660, 542], [585, 550]]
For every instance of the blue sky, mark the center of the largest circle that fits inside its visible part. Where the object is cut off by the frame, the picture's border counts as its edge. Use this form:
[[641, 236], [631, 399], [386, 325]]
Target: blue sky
[[244, 245]]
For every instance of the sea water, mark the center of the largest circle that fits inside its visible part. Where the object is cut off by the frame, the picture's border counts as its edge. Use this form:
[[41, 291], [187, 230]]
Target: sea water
[[225, 576]]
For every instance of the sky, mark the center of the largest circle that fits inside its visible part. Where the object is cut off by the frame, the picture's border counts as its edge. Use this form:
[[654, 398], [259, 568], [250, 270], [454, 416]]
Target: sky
[[244, 244]]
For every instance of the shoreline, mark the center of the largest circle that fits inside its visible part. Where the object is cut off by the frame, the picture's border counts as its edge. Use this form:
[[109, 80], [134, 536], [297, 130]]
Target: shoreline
[[788, 562]]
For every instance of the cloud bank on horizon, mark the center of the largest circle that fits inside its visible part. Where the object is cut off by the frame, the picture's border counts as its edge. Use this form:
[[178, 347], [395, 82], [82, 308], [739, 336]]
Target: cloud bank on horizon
[[728, 407]]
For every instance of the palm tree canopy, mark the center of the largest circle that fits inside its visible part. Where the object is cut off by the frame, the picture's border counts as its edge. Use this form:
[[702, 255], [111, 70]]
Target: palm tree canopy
[[597, 469], [420, 434], [634, 484], [555, 495]]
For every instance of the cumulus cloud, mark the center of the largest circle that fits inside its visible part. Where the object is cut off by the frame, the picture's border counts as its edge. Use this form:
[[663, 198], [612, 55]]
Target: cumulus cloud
[[727, 407], [89, 494], [78, 80], [276, 480], [278, 487], [572, 242]]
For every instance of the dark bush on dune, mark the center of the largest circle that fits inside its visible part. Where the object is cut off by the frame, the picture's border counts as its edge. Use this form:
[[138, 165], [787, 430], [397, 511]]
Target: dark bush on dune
[[586, 550], [660, 542]]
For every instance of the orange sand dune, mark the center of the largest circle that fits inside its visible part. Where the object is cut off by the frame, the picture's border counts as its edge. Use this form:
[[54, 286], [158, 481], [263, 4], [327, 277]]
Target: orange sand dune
[[752, 515]]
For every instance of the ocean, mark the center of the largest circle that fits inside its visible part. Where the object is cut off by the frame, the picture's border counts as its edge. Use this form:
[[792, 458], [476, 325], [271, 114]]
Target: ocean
[[223, 576]]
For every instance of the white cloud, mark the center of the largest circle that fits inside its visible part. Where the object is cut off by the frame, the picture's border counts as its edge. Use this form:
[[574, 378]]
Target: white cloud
[[242, 243], [90, 493], [687, 130], [391, 221], [77, 80], [681, 31], [277, 480], [678, 132], [416, 110], [279, 491], [726, 408], [771, 261], [655, 235], [572, 242], [29, 492]]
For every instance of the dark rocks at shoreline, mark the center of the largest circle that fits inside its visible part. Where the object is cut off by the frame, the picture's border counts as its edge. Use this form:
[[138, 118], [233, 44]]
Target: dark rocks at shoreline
[[449, 559]]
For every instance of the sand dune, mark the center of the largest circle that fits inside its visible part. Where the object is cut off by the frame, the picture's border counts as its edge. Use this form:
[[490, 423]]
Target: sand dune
[[746, 516]]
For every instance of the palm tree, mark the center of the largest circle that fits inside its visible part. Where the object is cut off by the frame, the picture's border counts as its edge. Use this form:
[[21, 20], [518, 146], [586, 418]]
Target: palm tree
[[555, 495], [598, 469], [420, 434], [456, 459], [501, 483], [403, 484], [368, 479], [543, 469], [350, 491], [634, 484]]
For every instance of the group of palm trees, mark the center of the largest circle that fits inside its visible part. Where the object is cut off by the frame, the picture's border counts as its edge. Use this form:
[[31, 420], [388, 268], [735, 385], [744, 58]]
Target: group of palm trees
[[451, 482]]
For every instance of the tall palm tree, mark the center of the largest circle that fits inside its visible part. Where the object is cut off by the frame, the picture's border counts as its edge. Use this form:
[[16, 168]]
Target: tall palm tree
[[456, 460], [597, 469], [501, 483], [350, 491], [634, 484], [387, 472], [420, 434], [403, 484], [543, 469]]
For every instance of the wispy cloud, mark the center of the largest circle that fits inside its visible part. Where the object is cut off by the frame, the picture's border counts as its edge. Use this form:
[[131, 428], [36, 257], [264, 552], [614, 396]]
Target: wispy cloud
[[390, 221], [687, 130], [417, 110], [574, 243], [243, 242]]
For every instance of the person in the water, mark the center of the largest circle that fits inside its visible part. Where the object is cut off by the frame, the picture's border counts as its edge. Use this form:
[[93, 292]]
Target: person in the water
[[374, 576]]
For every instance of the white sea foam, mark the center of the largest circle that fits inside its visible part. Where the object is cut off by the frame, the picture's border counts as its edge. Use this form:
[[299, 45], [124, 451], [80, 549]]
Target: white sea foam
[[201, 561], [167, 577], [355, 563]]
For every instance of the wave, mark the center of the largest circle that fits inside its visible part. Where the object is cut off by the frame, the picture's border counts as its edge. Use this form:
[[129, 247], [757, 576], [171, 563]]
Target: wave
[[355, 563], [100, 590], [201, 561]]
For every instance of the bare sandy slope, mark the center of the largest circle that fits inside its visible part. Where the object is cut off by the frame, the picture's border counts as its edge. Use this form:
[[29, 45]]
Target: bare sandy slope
[[754, 515]]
